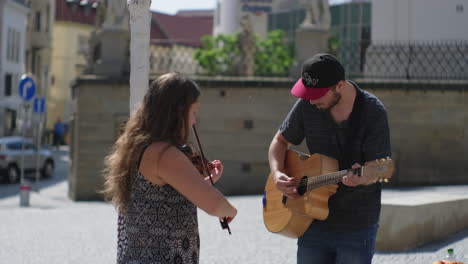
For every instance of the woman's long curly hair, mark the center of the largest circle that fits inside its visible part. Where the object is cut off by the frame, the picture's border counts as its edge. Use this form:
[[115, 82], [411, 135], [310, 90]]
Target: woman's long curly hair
[[163, 116]]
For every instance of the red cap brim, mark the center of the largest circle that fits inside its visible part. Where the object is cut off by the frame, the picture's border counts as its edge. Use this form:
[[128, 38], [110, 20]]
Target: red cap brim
[[306, 93]]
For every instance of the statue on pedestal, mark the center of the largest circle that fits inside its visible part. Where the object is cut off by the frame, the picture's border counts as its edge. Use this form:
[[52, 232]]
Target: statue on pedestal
[[313, 34], [246, 47], [115, 15], [317, 15], [109, 42], [100, 13]]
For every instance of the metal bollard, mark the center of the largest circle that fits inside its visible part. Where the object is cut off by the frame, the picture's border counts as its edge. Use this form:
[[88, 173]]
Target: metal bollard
[[24, 195]]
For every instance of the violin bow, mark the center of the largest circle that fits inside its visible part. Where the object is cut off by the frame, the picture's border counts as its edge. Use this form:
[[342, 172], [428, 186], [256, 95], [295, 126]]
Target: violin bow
[[224, 223]]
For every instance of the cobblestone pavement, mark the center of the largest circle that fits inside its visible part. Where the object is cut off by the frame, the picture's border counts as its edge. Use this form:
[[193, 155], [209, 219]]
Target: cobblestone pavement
[[56, 230]]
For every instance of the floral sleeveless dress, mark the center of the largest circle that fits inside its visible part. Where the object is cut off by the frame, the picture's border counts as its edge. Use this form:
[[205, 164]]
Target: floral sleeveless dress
[[161, 226]]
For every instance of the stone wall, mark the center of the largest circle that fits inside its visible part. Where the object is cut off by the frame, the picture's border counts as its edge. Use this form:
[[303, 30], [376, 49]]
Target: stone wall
[[429, 133], [239, 117], [236, 123]]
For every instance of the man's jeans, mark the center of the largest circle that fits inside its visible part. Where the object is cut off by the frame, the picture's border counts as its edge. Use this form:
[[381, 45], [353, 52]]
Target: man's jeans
[[318, 246]]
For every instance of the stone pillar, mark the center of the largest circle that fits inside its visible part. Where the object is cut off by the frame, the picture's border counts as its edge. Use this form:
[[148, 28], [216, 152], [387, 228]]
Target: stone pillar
[[100, 108], [100, 100], [247, 48], [140, 25]]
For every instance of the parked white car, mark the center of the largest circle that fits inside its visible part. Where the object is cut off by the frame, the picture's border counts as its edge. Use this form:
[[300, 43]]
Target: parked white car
[[11, 150]]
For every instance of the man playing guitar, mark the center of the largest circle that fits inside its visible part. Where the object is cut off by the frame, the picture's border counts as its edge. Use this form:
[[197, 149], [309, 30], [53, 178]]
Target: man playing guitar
[[339, 120]]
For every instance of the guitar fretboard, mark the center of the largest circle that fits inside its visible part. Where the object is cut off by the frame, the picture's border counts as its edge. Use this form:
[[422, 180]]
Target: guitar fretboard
[[322, 180]]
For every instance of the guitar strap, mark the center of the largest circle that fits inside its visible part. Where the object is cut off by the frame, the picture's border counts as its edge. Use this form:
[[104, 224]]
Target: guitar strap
[[356, 122]]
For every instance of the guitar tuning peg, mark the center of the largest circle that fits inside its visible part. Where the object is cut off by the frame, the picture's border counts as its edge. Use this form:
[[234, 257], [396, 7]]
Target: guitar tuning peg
[[382, 160], [385, 180], [379, 180]]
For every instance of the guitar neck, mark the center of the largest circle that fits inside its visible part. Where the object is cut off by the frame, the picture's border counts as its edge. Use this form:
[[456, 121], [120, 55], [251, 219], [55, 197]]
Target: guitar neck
[[325, 179]]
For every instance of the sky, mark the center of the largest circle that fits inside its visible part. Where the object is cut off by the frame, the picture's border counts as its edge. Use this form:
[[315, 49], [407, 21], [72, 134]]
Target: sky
[[172, 6]]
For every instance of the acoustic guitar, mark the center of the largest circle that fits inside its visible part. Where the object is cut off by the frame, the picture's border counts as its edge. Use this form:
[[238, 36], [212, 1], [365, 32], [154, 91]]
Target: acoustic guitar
[[316, 177]]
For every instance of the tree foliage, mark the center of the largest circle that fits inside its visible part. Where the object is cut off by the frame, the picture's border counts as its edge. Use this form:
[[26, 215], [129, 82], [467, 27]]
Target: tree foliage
[[220, 55], [274, 55], [217, 54]]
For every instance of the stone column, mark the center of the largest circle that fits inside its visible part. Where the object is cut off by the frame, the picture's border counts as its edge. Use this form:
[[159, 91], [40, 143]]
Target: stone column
[[247, 48], [140, 23], [100, 108], [101, 98]]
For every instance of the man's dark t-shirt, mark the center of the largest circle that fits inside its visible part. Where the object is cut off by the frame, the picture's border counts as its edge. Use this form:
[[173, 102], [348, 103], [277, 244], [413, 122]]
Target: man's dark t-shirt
[[363, 137]]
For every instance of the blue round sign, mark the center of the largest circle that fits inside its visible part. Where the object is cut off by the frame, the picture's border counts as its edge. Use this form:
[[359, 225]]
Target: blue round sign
[[27, 88]]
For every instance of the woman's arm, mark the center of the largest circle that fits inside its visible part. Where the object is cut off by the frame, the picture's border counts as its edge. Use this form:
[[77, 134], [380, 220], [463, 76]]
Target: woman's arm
[[175, 169]]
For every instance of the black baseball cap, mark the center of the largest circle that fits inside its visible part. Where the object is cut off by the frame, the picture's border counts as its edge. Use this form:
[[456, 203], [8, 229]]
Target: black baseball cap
[[319, 74]]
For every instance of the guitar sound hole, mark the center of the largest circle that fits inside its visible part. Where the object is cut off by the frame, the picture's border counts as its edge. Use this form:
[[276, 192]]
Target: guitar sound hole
[[302, 187]]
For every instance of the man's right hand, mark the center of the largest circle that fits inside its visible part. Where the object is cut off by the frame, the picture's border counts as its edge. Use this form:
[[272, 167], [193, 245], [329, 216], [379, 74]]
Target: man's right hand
[[286, 185]]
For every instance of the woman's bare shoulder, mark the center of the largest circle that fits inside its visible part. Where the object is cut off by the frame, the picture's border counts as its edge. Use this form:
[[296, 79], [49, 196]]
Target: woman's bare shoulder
[[158, 147], [158, 151], [152, 160]]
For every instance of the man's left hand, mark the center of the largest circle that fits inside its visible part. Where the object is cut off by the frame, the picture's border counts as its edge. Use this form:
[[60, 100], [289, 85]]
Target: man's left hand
[[352, 179]]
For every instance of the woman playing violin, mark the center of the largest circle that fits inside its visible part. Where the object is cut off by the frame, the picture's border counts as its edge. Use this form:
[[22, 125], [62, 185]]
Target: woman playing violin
[[154, 185]]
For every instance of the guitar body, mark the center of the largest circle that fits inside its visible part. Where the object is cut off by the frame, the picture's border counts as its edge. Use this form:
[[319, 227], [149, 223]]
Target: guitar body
[[292, 217]]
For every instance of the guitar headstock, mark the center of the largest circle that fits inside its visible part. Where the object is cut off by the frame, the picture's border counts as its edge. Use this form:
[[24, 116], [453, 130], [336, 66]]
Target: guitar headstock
[[380, 170]]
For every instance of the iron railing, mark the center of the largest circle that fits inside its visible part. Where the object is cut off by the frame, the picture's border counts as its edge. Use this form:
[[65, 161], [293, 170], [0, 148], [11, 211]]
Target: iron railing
[[437, 60]]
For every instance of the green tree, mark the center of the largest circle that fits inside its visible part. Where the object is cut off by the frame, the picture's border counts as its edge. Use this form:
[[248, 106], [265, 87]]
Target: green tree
[[219, 55], [274, 55], [334, 45]]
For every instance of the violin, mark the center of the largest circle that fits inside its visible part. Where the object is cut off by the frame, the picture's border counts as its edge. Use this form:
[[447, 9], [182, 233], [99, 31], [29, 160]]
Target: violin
[[197, 160]]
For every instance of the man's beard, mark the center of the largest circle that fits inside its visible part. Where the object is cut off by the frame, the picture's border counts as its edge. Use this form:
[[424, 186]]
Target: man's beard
[[335, 100]]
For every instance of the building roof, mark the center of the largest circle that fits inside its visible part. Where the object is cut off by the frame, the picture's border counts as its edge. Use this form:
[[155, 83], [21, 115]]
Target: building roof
[[197, 12], [185, 28], [79, 11], [182, 29]]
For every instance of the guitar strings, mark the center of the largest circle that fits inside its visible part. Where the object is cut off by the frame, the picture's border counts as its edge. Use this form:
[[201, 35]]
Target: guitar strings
[[321, 180]]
